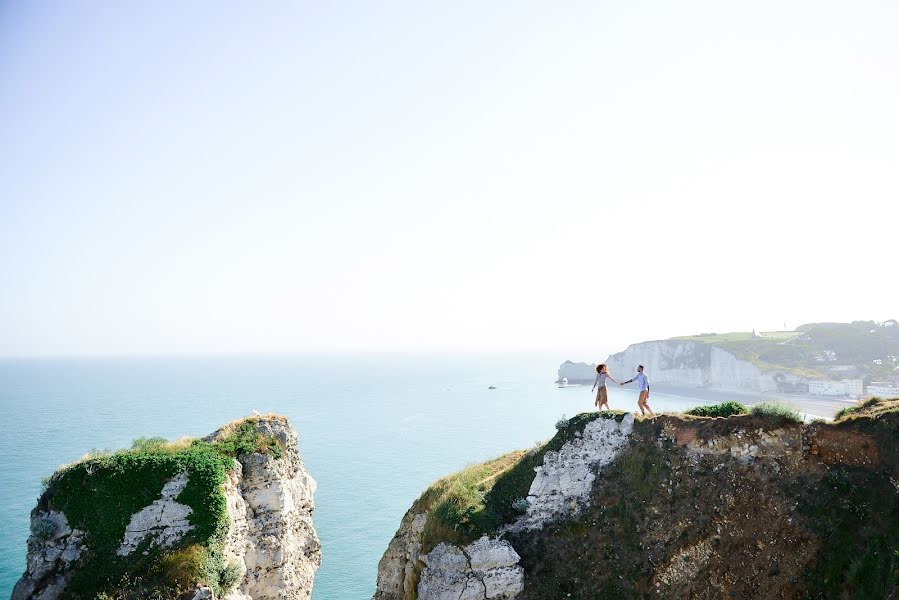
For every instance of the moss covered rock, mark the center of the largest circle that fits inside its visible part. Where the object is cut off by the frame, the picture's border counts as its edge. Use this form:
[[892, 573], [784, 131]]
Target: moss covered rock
[[163, 519]]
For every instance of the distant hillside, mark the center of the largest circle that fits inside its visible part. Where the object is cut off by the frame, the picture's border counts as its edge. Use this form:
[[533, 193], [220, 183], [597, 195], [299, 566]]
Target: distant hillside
[[824, 350]]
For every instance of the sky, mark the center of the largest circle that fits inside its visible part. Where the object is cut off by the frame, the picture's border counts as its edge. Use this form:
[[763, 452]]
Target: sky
[[205, 177]]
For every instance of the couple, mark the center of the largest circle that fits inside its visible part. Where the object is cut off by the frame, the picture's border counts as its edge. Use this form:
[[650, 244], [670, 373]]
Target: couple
[[602, 395]]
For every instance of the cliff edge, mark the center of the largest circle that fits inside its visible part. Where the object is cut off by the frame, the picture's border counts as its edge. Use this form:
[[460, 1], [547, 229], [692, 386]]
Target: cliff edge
[[749, 506], [228, 516]]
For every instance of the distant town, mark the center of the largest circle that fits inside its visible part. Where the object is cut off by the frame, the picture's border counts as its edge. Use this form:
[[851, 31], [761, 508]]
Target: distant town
[[853, 388]]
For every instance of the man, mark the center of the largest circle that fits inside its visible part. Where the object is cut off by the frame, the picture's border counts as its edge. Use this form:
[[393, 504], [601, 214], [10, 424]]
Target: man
[[643, 383]]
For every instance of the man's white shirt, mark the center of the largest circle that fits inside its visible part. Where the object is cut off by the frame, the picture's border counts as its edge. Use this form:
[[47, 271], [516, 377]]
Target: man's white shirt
[[642, 381]]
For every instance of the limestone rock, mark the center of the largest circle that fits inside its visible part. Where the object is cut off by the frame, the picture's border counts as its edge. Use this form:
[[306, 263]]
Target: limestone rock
[[581, 373], [398, 568], [486, 569], [271, 537], [564, 481], [164, 522], [686, 363], [52, 549], [203, 593]]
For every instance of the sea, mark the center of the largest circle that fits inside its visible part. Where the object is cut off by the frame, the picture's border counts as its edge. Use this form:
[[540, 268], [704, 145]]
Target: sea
[[375, 429]]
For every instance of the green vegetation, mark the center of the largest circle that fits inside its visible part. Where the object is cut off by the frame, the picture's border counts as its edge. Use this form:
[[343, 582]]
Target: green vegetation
[[777, 412], [725, 409], [603, 553], [870, 407], [717, 338], [845, 412], [813, 348], [99, 495], [481, 498], [856, 515]]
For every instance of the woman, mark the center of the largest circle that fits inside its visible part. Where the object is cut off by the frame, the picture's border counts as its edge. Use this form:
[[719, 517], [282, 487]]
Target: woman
[[602, 394]]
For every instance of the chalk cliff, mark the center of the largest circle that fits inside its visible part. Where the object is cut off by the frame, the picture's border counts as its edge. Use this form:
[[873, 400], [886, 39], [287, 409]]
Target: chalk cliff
[[579, 373], [694, 364], [750, 506], [232, 512]]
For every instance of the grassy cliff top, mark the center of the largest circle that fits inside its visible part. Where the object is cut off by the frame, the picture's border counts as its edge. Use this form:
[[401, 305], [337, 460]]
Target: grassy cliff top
[[654, 505], [809, 351], [481, 498], [100, 492]]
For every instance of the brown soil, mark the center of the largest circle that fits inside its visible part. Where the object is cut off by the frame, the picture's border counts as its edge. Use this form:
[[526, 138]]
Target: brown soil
[[668, 522]]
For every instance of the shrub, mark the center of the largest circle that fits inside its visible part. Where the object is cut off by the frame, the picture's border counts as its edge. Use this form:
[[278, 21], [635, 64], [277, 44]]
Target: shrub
[[725, 409], [143, 444], [562, 423], [777, 411], [845, 412], [43, 529], [520, 504], [246, 439]]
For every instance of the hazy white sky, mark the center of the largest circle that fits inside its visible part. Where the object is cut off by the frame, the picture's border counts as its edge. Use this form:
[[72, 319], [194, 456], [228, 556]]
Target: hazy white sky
[[572, 177]]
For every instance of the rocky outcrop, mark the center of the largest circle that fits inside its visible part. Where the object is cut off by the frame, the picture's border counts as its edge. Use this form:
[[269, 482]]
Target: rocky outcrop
[[399, 568], [270, 538], [691, 364], [576, 373], [562, 485], [53, 548], [674, 507], [486, 569]]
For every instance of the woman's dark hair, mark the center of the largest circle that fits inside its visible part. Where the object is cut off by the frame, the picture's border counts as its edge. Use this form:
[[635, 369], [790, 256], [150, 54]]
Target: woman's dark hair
[[599, 367]]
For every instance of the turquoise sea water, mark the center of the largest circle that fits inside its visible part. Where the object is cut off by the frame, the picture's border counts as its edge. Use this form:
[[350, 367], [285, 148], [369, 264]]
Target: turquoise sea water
[[375, 430]]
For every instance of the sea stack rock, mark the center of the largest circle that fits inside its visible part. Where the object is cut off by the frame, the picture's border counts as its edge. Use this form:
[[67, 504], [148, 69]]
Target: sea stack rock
[[576, 373], [228, 516]]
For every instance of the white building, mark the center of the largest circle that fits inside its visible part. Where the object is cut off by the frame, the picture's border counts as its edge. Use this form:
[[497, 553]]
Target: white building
[[845, 387], [882, 390], [854, 387]]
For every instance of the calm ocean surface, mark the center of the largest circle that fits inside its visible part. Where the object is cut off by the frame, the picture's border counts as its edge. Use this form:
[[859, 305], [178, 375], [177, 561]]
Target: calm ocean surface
[[375, 430]]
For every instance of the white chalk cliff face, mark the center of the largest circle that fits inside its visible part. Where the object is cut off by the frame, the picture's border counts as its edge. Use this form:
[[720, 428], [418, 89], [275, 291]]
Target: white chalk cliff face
[[488, 568], [270, 536], [561, 487], [695, 364]]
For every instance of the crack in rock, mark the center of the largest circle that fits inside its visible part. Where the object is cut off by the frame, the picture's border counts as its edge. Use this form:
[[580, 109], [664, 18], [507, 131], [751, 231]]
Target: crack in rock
[[486, 569]]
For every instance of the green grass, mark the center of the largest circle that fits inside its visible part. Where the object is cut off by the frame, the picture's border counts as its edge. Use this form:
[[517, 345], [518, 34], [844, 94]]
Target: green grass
[[725, 409], [481, 498], [845, 412], [776, 412], [871, 406], [99, 495], [856, 515], [768, 353], [716, 338], [802, 353]]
